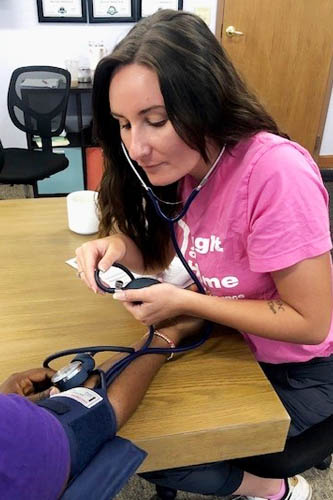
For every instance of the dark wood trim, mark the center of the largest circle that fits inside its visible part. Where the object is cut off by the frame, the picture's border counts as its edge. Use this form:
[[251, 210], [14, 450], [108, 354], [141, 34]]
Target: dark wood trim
[[325, 161]]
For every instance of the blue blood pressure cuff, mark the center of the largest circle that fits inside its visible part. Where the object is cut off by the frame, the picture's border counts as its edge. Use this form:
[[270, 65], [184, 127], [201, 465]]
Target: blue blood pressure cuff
[[107, 473], [88, 420], [101, 463]]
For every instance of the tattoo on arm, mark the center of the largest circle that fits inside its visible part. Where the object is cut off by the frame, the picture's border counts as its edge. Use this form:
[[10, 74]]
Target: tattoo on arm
[[276, 305]]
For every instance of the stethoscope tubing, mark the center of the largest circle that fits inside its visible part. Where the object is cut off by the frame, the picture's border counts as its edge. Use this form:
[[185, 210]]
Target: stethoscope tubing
[[118, 367], [182, 213], [109, 375], [112, 289], [84, 350]]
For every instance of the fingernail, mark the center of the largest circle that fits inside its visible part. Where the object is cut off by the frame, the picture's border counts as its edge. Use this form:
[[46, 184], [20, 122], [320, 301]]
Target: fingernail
[[101, 269], [54, 391], [119, 295]]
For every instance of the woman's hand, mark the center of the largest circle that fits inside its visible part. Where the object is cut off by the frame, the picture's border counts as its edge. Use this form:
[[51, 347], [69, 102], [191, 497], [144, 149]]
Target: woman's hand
[[35, 384], [155, 303], [101, 254]]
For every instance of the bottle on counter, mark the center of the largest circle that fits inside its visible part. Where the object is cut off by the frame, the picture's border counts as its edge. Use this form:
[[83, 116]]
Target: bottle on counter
[[97, 51]]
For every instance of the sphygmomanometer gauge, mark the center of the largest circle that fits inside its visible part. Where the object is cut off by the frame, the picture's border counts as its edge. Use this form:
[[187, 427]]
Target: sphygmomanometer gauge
[[65, 374]]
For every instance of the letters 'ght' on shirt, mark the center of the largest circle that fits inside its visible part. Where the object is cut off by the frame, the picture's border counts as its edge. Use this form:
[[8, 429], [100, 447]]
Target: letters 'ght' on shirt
[[265, 208]]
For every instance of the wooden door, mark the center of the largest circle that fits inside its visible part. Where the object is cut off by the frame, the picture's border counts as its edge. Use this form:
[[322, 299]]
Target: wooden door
[[284, 54]]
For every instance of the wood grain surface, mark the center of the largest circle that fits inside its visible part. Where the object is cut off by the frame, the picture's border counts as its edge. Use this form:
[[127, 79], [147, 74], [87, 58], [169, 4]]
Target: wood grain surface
[[210, 404]]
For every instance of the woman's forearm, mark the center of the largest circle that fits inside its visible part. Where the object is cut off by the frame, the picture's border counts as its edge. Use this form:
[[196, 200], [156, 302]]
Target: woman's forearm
[[272, 319]]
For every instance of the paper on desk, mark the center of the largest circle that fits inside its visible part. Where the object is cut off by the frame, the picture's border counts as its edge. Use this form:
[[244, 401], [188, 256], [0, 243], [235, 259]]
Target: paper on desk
[[175, 274]]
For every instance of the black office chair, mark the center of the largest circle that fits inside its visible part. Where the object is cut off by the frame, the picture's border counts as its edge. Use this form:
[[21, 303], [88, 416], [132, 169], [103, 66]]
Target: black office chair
[[37, 104]]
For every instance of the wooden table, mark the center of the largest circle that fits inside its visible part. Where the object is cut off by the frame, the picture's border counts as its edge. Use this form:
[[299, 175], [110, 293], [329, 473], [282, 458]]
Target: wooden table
[[210, 404]]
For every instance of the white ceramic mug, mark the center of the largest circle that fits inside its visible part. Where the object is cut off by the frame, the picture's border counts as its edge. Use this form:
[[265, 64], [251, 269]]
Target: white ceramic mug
[[82, 212]]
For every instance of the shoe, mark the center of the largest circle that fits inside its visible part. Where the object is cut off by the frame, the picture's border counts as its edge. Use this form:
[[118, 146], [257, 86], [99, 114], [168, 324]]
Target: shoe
[[299, 489]]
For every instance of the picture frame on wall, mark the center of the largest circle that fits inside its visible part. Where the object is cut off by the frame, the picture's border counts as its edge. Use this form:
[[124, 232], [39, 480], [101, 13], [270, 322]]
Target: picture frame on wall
[[60, 11], [112, 11], [148, 7]]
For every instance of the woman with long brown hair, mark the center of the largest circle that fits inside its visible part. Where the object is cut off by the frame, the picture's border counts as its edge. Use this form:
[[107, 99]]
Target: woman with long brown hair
[[256, 236]]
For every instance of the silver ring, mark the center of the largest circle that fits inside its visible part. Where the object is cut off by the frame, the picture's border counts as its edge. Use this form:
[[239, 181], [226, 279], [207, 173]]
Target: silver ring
[[78, 274]]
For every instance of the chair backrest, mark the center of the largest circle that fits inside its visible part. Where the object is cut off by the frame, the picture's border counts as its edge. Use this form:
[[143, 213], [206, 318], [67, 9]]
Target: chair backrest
[[37, 101]]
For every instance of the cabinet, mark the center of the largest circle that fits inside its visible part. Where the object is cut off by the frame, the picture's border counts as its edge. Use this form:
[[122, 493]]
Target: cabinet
[[78, 131], [94, 167]]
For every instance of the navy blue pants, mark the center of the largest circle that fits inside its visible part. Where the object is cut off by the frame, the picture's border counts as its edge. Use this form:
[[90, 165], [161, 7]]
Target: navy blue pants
[[306, 391]]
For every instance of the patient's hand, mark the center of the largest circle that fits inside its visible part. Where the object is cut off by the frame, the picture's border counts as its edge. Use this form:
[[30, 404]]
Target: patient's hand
[[34, 384]]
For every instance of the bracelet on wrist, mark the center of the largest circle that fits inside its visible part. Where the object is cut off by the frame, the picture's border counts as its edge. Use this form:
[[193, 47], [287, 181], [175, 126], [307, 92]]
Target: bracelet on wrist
[[171, 343]]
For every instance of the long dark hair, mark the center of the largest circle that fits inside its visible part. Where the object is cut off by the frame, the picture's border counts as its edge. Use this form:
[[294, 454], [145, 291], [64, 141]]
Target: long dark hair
[[204, 97]]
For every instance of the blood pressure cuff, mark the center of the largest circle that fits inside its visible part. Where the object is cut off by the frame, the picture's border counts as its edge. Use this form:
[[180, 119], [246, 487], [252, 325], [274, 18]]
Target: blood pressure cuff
[[107, 473], [88, 420]]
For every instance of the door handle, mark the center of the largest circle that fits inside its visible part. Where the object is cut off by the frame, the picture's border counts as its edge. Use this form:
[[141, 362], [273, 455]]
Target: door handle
[[231, 31]]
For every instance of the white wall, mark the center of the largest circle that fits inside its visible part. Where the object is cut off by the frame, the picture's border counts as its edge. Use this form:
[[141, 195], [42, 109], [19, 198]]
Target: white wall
[[24, 42], [327, 142], [203, 8]]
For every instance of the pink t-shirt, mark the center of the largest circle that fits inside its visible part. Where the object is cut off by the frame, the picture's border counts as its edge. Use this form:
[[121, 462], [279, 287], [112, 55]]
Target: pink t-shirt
[[264, 208]]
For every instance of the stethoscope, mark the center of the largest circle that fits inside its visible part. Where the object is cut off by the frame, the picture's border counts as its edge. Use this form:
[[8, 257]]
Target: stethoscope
[[83, 364]]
